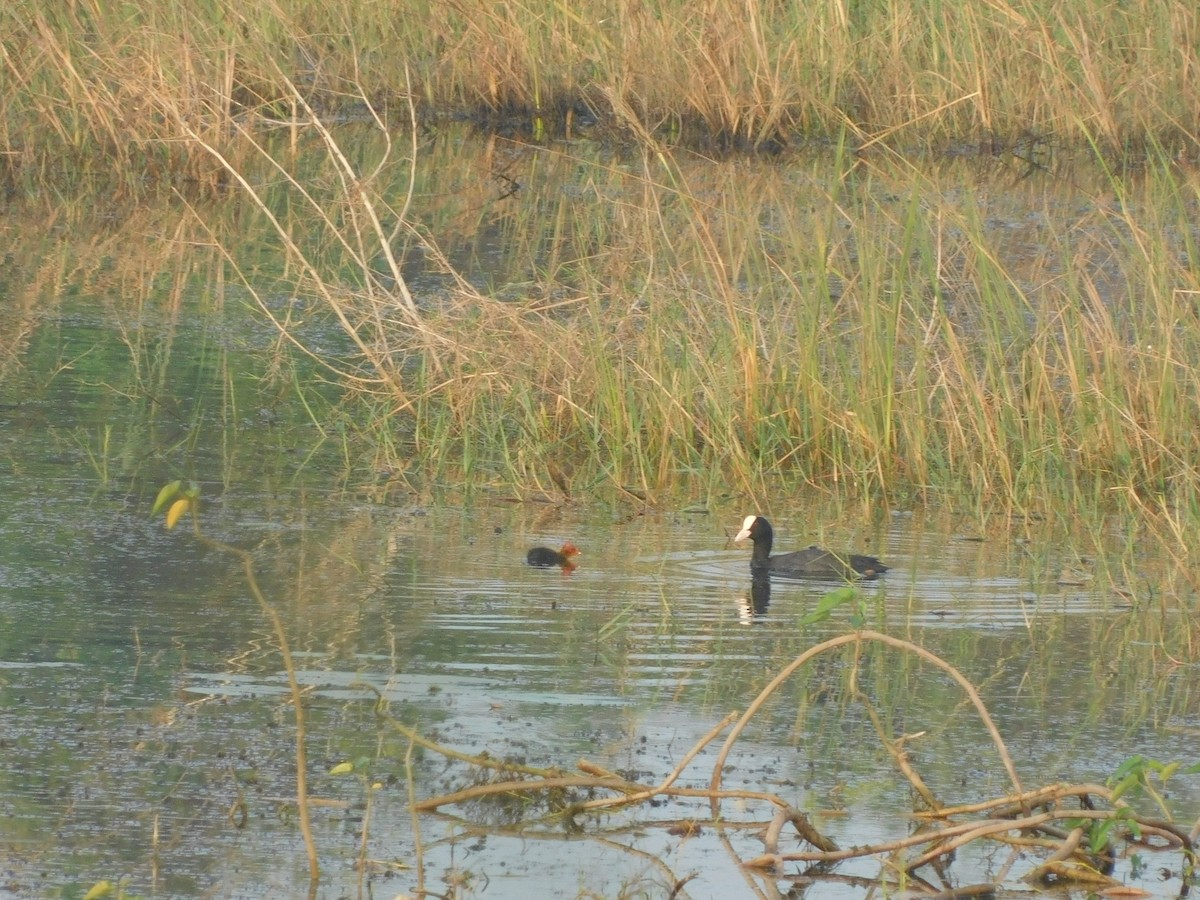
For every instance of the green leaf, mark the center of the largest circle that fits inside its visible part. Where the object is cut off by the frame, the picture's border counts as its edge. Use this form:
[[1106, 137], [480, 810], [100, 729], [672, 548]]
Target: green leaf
[[1124, 786], [828, 604], [166, 494], [1099, 834], [342, 769], [1135, 765]]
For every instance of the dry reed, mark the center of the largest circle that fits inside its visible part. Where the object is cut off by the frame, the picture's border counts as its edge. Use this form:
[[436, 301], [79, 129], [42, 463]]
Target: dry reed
[[692, 327], [99, 90]]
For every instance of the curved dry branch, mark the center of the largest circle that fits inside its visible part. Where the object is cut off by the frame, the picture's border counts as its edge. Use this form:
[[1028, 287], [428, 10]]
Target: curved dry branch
[[854, 638], [989, 828], [1027, 800], [1053, 829]]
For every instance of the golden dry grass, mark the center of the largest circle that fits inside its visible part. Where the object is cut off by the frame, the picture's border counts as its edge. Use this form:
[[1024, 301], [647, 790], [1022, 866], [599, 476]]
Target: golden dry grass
[[103, 88]]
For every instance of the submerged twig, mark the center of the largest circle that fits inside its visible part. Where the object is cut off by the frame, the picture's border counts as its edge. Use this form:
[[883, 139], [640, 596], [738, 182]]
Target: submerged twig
[[534, 784], [898, 754], [285, 653], [671, 778], [418, 846]]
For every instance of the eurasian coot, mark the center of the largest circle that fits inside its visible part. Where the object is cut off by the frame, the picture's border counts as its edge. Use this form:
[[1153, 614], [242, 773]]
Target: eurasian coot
[[814, 562], [544, 557]]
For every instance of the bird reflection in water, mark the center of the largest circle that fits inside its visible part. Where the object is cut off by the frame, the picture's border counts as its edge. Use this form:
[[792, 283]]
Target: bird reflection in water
[[752, 606]]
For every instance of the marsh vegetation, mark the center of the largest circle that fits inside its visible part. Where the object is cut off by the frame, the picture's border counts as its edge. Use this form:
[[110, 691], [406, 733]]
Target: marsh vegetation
[[873, 260], [1012, 327]]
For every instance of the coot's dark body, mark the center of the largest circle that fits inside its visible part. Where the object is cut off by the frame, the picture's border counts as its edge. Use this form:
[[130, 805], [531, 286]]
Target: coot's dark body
[[813, 562]]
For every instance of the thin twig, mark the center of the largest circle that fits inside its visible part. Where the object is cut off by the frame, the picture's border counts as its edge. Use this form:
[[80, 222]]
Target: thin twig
[[272, 615], [671, 778], [418, 847]]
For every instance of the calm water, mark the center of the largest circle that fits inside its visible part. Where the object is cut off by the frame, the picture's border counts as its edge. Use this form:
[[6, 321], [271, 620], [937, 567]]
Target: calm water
[[141, 696]]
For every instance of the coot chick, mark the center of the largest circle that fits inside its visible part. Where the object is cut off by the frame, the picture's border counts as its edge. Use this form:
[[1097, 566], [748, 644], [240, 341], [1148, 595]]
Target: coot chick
[[813, 562], [544, 557]]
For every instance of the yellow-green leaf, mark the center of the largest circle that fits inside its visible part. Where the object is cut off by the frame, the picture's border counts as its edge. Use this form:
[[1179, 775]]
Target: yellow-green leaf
[[100, 889], [178, 508], [342, 769], [827, 604], [168, 493]]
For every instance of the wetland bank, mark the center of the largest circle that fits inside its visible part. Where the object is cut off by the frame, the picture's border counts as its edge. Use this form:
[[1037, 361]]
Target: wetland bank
[[308, 264]]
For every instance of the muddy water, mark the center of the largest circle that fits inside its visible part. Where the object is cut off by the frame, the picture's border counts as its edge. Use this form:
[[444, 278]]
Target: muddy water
[[145, 730], [142, 699]]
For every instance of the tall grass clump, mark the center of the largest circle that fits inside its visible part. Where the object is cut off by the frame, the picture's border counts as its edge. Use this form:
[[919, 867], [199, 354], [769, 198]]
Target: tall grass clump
[[101, 90], [654, 324], [846, 321]]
